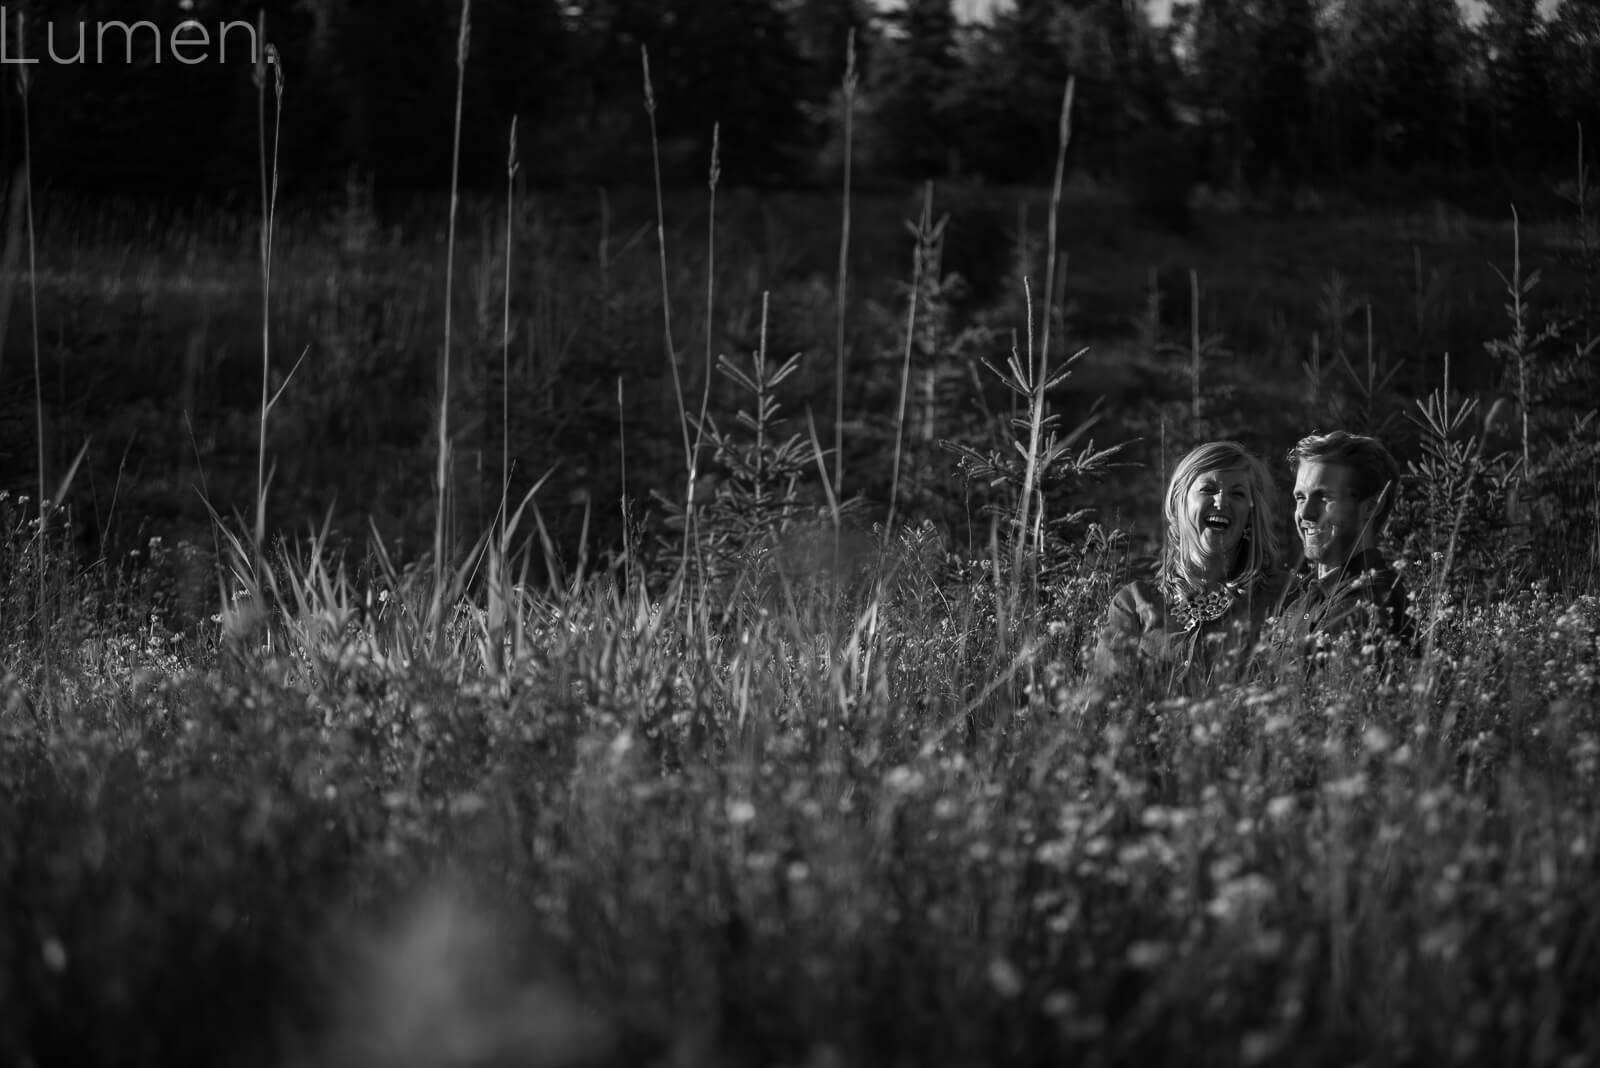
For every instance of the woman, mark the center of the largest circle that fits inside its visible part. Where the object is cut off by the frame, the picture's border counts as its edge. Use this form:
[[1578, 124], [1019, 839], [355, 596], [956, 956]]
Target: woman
[[1218, 579]]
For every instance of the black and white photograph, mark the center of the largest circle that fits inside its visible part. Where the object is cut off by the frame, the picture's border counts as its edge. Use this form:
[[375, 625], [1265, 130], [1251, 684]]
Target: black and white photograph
[[799, 533]]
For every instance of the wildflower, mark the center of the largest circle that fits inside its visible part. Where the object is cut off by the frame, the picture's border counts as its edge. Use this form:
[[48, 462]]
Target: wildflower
[[1146, 954], [620, 745], [1258, 1047], [902, 779], [740, 812], [1241, 897], [1059, 1003], [1348, 788], [1005, 978], [467, 804]]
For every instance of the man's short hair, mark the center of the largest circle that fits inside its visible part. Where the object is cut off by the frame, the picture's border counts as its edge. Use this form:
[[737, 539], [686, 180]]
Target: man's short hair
[[1373, 470]]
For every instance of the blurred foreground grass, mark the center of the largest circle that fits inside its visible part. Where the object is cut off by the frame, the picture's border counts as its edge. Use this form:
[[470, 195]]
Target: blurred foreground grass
[[887, 828]]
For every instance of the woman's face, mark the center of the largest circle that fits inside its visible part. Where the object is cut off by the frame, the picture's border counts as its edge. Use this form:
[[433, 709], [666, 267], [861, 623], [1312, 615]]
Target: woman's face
[[1217, 510]]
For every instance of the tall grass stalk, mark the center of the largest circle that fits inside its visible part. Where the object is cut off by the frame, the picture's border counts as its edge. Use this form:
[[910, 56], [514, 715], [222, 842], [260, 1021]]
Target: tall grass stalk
[[269, 204], [1585, 242], [48, 504], [1031, 470], [497, 552], [1519, 348], [690, 532], [1372, 354], [842, 295], [605, 262], [23, 87], [1194, 353], [918, 267], [442, 472], [505, 334], [1163, 452], [835, 513], [666, 294], [622, 479], [16, 203], [1040, 377], [1063, 139]]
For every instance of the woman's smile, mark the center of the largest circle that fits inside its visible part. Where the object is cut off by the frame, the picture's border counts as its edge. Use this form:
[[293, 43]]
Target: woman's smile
[[1218, 505]]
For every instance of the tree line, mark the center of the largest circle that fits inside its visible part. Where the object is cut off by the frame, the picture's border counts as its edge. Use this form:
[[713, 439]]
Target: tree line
[[1241, 92]]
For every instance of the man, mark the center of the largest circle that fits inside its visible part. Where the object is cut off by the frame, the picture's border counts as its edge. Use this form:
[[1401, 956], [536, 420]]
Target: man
[[1344, 489]]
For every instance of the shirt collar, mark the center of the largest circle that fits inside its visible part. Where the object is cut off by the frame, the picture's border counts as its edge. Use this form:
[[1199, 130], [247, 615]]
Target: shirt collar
[[1359, 564]]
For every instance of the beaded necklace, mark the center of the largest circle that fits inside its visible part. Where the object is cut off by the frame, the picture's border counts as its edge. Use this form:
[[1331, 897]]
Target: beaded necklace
[[1192, 609]]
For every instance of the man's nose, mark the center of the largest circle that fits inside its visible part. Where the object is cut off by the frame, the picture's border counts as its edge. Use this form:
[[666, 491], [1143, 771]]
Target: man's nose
[[1309, 511]]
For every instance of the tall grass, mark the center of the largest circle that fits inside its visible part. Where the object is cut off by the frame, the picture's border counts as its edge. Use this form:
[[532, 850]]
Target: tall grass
[[692, 488], [24, 82], [666, 294], [269, 204], [442, 470], [1041, 377], [925, 239], [1586, 241], [47, 611], [842, 288], [505, 331]]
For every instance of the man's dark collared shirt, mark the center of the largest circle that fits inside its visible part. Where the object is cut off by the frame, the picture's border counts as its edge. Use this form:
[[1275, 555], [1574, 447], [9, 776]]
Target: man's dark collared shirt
[[1365, 600]]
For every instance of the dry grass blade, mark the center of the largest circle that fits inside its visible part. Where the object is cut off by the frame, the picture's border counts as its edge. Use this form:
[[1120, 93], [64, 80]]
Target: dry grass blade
[[442, 470], [923, 233], [505, 331], [849, 86], [267, 57]]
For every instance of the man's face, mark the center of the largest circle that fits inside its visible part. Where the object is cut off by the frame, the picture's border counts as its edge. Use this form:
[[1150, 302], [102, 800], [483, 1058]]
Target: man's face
[[1332, 523]]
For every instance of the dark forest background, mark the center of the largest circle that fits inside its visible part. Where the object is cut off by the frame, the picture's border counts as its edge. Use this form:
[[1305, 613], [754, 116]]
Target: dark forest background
[[1260, 93]]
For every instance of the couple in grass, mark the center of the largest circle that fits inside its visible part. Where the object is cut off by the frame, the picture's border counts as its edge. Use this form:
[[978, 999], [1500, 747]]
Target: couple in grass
[[1221, 600]]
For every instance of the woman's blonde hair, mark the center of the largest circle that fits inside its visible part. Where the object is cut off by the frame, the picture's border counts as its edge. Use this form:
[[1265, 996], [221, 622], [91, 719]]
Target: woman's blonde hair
[[1181, 561]]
